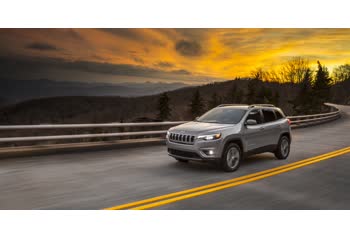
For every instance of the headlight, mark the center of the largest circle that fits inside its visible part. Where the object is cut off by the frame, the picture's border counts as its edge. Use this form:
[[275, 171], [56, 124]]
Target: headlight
[[210, 137], [167, 134]]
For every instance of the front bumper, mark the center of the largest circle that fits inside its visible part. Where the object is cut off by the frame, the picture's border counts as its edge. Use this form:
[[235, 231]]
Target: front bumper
[[199, 151]]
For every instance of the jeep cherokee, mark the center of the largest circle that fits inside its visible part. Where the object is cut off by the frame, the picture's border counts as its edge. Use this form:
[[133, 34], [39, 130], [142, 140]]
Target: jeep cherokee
[[228, 133]]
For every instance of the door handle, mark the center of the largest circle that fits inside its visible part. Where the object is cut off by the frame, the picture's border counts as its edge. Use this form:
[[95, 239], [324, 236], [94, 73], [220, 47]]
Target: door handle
[[261, 128]]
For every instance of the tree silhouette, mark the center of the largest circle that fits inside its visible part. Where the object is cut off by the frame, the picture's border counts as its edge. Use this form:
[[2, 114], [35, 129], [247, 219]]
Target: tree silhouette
[[321, 88], [214, 101], [264, 95], [196, 105], [164, 111], [294, 69], [341, 73], [304, 101], [276, 98], [234, 95], [252, 91], [259, 74]]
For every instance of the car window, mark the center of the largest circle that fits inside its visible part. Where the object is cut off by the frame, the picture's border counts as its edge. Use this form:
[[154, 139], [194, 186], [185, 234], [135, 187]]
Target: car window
[[223, 115], [255, 115], [278, 114], [269, 115]]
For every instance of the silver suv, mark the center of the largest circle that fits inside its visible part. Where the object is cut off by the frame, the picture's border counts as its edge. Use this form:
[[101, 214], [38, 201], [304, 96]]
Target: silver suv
[[228, 133]]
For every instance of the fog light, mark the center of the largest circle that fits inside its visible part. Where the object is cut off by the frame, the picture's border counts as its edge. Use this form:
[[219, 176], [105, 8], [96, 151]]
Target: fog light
[[210, 152]]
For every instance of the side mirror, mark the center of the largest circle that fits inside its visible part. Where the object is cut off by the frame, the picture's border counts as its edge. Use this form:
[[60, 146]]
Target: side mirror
[[251, 122]]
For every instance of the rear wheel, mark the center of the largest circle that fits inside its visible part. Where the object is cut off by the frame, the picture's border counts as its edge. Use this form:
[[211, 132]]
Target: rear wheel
[[283, 148], [231, 158], [182, 160]]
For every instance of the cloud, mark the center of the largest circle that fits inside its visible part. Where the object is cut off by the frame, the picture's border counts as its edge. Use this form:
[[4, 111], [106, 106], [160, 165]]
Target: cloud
[[164, 64], [188, 48], [23, 65], [181, 71], [40, 46]]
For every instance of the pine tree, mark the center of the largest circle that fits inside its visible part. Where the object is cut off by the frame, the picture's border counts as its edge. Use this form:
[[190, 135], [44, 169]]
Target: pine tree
[[276, 98], [234, 95], [321, 87], [196, 105], [264, 95], [214, 101], [304, 101], [164, 111], [252, 91]]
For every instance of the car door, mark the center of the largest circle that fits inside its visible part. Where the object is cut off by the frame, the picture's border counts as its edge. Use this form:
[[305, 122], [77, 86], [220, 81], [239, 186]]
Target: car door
[[271, 128], [254, 134]]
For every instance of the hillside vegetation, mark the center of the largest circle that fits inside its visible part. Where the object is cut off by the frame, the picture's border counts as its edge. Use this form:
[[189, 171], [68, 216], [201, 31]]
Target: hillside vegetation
[[295, 88]]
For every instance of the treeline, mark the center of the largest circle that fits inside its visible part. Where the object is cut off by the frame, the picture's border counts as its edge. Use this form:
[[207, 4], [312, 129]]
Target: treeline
[[198, 105], [313, 85]]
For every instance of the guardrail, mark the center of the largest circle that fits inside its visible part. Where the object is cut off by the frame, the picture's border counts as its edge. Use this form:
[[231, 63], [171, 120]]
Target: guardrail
[[296, 121]]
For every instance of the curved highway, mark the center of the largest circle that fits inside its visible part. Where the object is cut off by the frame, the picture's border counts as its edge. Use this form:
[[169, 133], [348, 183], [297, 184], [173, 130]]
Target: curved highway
[[103, 179]]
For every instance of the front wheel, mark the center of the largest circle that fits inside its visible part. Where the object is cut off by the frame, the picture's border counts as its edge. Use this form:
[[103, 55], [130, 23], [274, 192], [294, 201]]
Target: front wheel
[[283, 148], [231, 158]]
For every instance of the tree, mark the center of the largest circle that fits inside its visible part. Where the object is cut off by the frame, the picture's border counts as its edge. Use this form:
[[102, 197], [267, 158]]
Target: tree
[[252, 91], [164, 111], [304, 101], [276, 98], [214, 101], [341, 73], [234, 95], [293, 70], [259, 74], [264, 95], [321, 87], [196, 105]]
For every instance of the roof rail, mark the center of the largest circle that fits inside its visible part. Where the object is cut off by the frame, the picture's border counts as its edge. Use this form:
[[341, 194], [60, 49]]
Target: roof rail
[[261, 105], [232, 104]]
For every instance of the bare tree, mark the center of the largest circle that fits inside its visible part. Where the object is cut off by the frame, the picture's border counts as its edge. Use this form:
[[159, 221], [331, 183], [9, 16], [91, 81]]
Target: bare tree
[[259, 74], [341, 73], [294, 70]]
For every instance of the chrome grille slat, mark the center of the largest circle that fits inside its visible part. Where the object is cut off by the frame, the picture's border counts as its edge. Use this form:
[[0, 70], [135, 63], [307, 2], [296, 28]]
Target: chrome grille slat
[[182, 138]]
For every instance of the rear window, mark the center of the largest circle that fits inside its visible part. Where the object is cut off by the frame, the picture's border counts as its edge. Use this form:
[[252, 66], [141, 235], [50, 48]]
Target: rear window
[[278, 114], [269, 115]]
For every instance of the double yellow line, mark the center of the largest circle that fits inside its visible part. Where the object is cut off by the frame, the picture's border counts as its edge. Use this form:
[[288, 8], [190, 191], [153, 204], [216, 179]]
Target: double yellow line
[[198, 191]]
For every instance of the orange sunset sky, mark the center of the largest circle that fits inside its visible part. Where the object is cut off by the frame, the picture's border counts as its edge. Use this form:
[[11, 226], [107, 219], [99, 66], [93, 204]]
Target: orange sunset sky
[[192, 56]]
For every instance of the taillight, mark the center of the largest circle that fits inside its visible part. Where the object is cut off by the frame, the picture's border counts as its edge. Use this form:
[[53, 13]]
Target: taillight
[[289, 122]]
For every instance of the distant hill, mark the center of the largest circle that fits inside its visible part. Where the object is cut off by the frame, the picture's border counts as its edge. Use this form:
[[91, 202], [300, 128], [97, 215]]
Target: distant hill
[[92, 109], [85, 109], [20, 90]]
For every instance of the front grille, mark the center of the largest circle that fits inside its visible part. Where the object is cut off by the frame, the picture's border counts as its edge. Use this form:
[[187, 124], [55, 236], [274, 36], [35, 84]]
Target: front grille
[[183, 153], [181, 138]]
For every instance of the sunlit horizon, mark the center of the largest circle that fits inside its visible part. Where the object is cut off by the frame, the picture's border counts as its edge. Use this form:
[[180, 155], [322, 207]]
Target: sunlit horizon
[[192, 56]]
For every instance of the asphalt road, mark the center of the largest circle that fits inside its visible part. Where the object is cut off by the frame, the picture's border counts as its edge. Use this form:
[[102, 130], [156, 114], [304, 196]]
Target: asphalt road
[[101, 179]]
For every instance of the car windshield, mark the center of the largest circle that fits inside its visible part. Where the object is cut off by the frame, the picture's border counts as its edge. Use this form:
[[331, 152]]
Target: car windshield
[[223, 115]]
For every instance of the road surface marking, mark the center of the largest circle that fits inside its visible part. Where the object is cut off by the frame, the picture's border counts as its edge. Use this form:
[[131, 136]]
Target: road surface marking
[[194, 192]]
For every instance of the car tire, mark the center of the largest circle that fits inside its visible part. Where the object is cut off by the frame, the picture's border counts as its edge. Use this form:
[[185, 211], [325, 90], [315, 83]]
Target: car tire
[[232, 157], [182, 160], [283, 148]]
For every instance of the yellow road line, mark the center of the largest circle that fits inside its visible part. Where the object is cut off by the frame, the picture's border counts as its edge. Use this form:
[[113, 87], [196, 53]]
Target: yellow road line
[[181, 195]]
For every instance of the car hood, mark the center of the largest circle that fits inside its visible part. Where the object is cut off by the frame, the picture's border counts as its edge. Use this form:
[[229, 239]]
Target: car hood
[[196, 128]]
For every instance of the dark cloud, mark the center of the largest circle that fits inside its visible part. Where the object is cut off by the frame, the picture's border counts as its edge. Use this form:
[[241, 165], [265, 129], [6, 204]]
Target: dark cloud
[[133, 34], [181, 71], [164, 64], [188, 48], [42, 46], [20, 66]]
